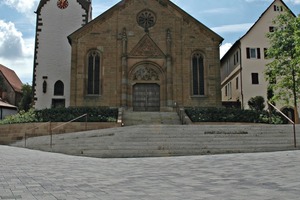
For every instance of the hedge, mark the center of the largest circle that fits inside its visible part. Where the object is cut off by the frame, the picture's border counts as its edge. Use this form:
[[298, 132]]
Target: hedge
[[232, 115]]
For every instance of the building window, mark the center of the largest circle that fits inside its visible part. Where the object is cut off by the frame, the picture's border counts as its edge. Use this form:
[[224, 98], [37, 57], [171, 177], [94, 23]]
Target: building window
[[198, 74], [278, 8], [59, 88], [271, 29], [93, 73], [226, 90], [253, 53], [237, 83], [254, 77], [266, 53]]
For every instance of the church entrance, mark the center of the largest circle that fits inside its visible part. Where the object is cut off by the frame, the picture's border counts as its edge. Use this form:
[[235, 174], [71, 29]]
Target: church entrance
[[146, 97]]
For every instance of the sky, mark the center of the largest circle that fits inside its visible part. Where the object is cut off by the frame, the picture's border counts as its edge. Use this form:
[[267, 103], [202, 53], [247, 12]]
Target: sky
[[229, 18]]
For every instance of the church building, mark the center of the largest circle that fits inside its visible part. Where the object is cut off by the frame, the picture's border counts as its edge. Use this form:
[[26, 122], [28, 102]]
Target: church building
[[144, 55]]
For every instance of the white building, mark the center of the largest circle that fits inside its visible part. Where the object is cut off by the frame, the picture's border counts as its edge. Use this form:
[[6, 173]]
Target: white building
[[243, 66], [56, 19]]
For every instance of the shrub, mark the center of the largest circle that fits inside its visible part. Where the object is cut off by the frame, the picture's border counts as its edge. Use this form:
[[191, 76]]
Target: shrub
[[257, 103], [21, 117], [232, 115], [95, 114]]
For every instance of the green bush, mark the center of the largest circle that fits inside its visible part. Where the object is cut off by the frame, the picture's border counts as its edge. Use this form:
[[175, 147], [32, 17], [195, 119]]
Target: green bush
[[21, 117], [232, 115], [95, 114]]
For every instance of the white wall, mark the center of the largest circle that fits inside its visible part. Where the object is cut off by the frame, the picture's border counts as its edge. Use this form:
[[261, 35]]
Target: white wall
[[54, 50]]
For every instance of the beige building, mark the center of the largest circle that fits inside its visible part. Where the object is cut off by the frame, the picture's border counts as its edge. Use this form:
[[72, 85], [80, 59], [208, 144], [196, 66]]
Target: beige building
[[146, 56], [243, 66]]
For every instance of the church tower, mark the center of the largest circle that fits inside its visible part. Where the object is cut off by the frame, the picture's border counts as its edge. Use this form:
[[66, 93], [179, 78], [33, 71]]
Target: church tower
[[56, 20]]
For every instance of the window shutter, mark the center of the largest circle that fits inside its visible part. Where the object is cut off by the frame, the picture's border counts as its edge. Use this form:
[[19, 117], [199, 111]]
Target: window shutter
[[258, 53], [248, 52]]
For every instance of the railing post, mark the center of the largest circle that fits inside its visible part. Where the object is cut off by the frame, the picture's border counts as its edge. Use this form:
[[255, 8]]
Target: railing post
[[25, 139], [86, 120], [294, 125], [50, 135]]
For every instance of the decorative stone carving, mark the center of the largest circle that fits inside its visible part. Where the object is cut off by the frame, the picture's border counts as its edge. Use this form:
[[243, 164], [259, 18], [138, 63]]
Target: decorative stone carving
[[146, 19], [145, 73], [147, 48]]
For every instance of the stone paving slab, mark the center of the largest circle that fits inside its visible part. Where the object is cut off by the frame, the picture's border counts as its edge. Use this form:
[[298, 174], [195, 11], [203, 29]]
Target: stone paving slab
[[34, 175]]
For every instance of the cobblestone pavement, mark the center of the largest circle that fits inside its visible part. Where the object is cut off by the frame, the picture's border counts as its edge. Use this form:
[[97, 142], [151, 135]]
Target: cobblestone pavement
[[31, 175]]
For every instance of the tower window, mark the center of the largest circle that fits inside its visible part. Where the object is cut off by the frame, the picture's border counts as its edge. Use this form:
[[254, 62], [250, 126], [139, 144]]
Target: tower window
[[59, 88]]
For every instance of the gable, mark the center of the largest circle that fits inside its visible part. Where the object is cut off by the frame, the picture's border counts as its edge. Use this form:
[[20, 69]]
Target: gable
[[163, 5], [11, 78], [146, 48]]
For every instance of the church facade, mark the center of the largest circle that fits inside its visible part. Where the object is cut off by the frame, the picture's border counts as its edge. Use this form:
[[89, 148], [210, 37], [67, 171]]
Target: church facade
[[145, 55]]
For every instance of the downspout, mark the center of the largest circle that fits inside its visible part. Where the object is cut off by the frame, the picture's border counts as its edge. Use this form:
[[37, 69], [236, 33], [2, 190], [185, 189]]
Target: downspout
[[241, 77]]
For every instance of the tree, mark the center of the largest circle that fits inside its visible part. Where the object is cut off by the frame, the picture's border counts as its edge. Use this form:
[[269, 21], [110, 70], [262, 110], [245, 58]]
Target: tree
[[25, 103], [257, 103], [283, 73]]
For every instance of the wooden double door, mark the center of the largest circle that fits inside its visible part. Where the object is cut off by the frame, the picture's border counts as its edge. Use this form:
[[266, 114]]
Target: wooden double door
[[146, 97]]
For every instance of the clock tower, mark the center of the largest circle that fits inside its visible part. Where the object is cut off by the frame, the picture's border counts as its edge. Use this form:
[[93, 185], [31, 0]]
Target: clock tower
[[56, 20]]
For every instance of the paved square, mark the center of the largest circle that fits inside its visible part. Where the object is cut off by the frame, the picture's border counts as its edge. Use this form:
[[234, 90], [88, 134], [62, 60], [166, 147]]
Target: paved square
[[35, 175]]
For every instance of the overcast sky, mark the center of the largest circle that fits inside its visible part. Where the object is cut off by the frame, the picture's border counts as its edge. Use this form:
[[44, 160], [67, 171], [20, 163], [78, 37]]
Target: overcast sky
[[229, 18]]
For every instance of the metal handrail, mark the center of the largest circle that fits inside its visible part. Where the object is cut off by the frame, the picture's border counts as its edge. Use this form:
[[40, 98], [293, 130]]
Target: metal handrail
[[51, 129], [36, 127], [294, 125]]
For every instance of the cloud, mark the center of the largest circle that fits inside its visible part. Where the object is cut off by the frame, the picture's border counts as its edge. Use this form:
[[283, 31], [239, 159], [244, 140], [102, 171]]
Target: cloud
[[22, 6], [294, 1], [217, 11], [15, 52], [232, 28], [224, 48]]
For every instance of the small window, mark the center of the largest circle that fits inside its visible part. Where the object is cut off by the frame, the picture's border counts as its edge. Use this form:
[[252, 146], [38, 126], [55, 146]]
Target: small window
[[237, 83], [226, 91], [253, 53], [254, 77], [59, 88], [265, 53]]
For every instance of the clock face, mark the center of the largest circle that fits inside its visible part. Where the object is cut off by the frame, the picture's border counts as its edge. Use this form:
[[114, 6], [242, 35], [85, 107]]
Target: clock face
[[62, 4]]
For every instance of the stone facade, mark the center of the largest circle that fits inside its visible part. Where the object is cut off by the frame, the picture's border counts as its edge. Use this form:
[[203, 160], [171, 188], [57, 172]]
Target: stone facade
[[145, 51]]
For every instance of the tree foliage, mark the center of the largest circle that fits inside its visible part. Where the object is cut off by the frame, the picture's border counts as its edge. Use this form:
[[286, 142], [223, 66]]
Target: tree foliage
[[26, 101], [283, 72]]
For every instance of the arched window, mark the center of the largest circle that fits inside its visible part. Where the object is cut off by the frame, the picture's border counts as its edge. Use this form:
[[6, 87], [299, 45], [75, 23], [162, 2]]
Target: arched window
[[93, 73], [59, 88], [198, 74]]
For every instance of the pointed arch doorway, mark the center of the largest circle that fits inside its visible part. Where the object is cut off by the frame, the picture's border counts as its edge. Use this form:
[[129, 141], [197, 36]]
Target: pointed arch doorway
[[146, 97]]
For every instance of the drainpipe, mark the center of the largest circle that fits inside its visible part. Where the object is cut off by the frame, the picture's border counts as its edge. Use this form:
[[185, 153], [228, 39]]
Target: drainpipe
[[241, 77]]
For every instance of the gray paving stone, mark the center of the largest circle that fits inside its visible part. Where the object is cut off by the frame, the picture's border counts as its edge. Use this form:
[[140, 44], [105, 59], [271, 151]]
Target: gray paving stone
[[34, 175]]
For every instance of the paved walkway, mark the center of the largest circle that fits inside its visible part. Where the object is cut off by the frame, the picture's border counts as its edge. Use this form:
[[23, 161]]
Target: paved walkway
[[31, 175]]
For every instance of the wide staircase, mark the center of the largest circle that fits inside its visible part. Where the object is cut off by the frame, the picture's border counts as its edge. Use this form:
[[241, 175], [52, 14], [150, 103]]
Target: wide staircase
[[168, 140], [137, 118]]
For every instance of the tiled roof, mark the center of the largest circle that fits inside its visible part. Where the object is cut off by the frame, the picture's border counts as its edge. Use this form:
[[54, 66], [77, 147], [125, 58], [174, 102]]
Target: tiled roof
[[12, 78]]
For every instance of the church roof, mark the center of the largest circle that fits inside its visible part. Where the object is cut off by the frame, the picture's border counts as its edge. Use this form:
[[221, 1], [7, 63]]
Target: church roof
[[84, 3], [11, 78], [164, 3]]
